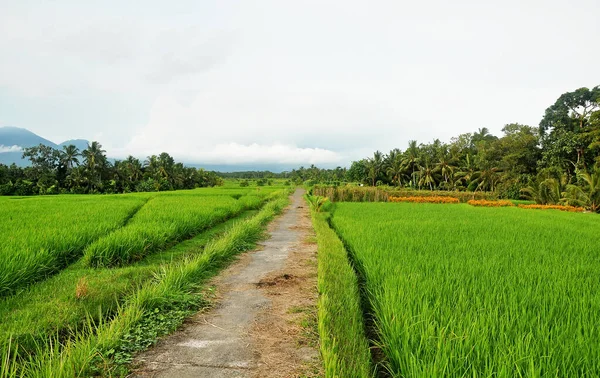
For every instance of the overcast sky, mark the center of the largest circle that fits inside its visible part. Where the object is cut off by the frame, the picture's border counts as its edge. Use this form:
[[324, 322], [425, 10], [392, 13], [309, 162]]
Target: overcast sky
[[297, 82]]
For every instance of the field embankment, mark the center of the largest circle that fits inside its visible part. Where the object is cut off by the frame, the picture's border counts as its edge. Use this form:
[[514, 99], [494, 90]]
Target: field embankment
[[344, 345]]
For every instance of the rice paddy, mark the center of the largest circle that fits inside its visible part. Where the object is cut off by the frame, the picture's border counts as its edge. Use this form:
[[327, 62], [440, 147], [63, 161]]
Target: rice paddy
[[456, 290], [79, 272]]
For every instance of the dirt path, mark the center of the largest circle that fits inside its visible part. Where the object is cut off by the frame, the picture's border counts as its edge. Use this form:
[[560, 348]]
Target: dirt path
[[264, 322]]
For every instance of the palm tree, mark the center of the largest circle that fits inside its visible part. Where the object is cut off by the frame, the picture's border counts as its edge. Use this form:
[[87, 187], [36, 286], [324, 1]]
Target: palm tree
[[411, 159], [445, 167], [588, 196], [486, 179], [69, 155], [94, 160], [427, 176], [467, 172], [375, 166], [134, 169], [395, 168]]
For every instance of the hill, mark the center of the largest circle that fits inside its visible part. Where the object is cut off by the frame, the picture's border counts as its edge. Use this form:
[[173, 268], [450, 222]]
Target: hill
[[14, 139]]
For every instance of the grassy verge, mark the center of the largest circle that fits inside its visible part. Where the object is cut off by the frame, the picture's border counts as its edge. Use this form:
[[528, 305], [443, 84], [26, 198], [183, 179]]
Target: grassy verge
[[157, 308], [344, 345]]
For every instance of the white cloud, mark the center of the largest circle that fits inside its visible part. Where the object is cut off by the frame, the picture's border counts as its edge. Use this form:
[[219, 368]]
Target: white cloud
[[10, 148], [306, 81], [235, 153]]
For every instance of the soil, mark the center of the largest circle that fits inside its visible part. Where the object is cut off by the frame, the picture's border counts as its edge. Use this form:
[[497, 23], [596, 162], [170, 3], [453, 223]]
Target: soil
[[264, 321]]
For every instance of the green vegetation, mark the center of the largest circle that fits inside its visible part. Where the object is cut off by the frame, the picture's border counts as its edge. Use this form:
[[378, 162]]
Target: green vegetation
[[163, 220], [96, 318], [70, 170], [174, 288], [39, 236], [344, 346], [457, 290], [63, 304]]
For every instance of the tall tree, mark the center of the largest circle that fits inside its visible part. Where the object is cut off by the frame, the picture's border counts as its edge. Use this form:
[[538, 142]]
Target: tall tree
[[68, 157], [563, 126]]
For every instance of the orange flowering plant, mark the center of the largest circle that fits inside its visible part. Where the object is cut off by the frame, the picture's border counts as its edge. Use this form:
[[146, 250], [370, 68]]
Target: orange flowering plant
[[432, 199], [484, 203], [574, 209]]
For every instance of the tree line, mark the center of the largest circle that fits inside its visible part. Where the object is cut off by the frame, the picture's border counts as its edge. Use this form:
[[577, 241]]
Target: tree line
[[70, 170], [556, 162]]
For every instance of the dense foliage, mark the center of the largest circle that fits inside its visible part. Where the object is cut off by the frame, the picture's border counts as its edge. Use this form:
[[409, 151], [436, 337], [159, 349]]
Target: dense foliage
[[69, 170], [556, 163]]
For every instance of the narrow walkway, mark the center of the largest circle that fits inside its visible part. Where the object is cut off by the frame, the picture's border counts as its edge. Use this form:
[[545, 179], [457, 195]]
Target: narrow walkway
[[265, 287]]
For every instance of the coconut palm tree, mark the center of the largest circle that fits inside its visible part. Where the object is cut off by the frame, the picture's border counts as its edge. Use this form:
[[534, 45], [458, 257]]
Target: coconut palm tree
[[466, 173], [375, 166], [411, 160], [445, 168], [395, 169], [94, 161], [427, 176], [68, 156]]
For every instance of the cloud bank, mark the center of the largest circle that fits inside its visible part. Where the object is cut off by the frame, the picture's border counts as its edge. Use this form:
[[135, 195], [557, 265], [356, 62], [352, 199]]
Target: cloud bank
[[270, 81], [10, 148]]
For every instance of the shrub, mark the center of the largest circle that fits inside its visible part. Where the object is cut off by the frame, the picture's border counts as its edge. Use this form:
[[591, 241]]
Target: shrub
[[432, 199], [484, 203], [572, 209]]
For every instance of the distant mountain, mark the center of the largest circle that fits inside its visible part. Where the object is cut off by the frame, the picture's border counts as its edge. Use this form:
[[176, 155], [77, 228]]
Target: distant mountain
[[14, 139], [15, 136], [82, 144]]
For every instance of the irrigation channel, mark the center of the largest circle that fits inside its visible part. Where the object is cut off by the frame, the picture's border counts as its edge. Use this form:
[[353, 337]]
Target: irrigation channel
[[258, 327]]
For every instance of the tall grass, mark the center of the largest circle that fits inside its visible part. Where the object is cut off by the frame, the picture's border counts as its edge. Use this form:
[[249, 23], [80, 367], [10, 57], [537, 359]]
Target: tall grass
[[165, 219], [462, 291], [41, 235], [344, 345], [89, 354]]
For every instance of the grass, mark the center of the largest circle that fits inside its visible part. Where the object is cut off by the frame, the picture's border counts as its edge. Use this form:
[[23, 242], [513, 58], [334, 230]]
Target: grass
[[53, 307], [344, 346], [462, 291], [157, 306], [41, 235], [163, 220]]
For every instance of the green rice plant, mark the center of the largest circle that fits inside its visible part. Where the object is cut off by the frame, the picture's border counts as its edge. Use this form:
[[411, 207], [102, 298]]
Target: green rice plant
[[344, 345], [41, 235], [462, 291], [52, 307], [90, 354], [163, 220]]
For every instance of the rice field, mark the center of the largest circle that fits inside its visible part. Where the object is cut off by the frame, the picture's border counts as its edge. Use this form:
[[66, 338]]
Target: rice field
[[456, 290], [164, 219], [41, 235], [103, 264]]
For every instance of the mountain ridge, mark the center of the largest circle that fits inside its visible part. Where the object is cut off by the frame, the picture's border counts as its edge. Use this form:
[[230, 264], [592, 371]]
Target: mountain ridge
[[11, 137]]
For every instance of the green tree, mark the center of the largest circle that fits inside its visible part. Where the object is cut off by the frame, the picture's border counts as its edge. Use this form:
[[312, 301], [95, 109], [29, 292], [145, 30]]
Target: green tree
[[68, 156], [563, 128], [95, 162]]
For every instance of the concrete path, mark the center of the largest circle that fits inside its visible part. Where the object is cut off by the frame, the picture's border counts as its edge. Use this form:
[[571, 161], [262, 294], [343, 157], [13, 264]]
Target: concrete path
[[219, 343]]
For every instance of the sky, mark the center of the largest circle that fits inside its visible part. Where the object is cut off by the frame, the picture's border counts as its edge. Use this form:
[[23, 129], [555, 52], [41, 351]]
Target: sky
[[287, 82]]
